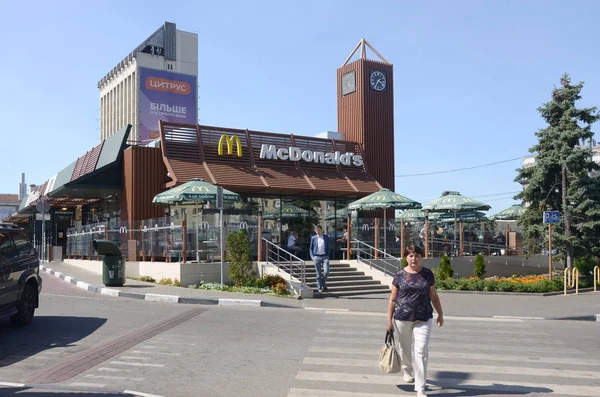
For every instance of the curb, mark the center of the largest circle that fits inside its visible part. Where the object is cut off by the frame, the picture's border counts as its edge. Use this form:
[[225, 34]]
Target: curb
[[75, 388], [163, 298]]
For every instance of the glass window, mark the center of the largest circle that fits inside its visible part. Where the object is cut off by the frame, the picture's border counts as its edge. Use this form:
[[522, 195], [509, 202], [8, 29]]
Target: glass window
[[22, 244], [6, 247]]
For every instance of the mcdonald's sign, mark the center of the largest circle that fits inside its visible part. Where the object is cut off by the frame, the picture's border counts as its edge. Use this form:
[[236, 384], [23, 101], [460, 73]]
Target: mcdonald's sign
[[229, 141], [200, 189]]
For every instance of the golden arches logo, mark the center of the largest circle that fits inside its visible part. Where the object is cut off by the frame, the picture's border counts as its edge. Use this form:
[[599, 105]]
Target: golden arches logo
[[377, 198], [399, 197], [200, 189], [230, 141]]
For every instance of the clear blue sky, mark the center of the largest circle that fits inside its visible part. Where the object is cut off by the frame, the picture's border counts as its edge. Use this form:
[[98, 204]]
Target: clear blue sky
[[469, 76]]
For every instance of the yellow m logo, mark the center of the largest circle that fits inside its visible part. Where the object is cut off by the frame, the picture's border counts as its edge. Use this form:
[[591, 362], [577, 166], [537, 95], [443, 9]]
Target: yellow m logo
[[199, 188], [229, 141], [377, 198]]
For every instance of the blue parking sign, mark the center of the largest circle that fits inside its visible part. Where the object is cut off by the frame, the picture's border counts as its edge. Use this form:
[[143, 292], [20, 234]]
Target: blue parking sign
[[551, 217]]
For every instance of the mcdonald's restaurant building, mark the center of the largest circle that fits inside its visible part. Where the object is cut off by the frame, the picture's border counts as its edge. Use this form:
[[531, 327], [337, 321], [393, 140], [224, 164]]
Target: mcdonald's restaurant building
[[114, 183]]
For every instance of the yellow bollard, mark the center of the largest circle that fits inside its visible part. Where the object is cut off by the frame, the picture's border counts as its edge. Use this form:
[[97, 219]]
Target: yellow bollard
[[596, 277], [571, 279]]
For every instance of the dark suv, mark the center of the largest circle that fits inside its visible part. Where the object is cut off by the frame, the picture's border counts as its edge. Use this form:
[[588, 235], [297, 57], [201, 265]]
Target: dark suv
[[20, 282]]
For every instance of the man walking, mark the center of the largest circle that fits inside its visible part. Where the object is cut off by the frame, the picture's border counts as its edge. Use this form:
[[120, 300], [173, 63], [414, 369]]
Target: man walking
[[319, 253]]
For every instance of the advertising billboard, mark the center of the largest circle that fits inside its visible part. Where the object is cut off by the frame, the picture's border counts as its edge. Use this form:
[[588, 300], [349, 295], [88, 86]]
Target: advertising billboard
[[165, 96]]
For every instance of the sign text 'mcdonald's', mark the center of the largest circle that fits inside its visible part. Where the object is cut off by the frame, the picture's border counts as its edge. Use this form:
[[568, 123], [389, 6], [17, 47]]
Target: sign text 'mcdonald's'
[[292, 153]]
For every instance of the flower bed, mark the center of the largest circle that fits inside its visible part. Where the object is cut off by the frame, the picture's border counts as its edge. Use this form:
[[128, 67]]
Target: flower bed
[[531, 284]]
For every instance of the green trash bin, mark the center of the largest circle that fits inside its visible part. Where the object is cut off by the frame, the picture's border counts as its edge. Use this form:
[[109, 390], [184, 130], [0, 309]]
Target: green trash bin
[[113, 263]]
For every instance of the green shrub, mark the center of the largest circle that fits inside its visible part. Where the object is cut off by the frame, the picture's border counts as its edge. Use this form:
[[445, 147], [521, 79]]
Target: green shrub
[[479, 266], [404, 263], [436, 274], [445, 270], [585, 266], [147, 279], [238, 256], [165, 281]]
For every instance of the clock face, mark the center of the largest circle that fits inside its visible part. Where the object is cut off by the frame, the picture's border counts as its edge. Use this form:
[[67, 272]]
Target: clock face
[[349, 82], [377, 80]]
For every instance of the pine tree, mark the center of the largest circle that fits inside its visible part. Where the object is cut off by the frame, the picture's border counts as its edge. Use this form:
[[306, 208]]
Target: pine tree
[[564, 177]]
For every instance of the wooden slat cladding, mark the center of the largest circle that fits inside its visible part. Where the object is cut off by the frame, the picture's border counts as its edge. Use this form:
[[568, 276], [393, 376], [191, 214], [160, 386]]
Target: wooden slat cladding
[[367, 117], [144, 176], [245, 172]]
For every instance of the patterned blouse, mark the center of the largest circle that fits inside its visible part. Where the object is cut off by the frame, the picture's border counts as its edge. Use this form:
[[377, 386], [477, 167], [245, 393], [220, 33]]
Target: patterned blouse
[[413, 302]]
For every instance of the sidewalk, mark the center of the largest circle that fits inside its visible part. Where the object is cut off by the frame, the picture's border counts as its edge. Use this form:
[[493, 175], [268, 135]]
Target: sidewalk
[[585, 306]]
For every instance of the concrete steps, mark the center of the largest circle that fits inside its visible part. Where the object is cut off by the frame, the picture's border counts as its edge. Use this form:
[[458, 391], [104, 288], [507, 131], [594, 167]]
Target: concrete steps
[[344, 280]]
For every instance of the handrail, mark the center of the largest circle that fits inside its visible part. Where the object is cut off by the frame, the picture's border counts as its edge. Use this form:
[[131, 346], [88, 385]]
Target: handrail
[[368, 256], [292, 264]]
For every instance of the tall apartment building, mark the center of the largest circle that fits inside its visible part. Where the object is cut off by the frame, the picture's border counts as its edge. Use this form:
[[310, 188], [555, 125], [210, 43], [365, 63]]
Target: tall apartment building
[[156, 81]]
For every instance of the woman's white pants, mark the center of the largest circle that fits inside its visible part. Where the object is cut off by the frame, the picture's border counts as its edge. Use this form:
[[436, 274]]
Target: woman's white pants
[[414, 356]]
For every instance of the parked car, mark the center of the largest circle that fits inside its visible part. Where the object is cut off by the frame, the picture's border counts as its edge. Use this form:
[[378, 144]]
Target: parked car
[[20, 281]]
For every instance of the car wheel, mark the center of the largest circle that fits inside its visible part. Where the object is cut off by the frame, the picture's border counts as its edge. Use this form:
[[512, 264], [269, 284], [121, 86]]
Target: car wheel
[[26, 307]]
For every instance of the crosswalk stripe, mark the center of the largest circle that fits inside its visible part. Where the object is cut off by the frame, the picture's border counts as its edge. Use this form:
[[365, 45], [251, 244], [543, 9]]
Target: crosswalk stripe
[[522, 330], [487, 385], [109, 377], [295, 392], [435, 354], [380, 330], [85, 384], [133, 364], [493, 369], [437, 345], [531, 344], [454, 318], [520, 357]]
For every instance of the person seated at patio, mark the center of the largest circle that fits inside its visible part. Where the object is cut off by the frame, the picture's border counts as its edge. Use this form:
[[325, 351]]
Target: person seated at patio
[[291, 245], [344, 237]]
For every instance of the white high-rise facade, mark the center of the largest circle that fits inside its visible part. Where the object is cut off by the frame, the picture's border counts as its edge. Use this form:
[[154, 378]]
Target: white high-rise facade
[[156, 81]]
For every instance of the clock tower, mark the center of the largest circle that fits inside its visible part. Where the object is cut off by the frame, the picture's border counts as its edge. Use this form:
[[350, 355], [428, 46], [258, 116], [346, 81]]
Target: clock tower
[[365, 97]]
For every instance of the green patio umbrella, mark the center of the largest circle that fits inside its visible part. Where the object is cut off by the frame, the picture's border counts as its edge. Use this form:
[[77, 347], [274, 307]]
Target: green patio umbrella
[[339, 214], [384, 199], [414, 215], [455, 203], [194, 191], [464, 216], [287, 211], [510, 214]]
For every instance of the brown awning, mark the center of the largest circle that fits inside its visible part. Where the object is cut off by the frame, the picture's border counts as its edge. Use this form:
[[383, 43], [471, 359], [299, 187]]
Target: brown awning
[[192, 151]]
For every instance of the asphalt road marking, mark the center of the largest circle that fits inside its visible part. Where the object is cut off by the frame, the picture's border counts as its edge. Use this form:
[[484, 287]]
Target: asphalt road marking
[[176, 343], [149, 352], [488, 369], [140, 394], [85, 384], [113, 369], [137, 364], [294, 392], [480, 384], [90, 358], [109, 377], [133, 358]]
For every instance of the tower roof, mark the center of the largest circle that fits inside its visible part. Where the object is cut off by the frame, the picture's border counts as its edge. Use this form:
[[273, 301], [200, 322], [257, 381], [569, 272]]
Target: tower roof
[[363, 44]]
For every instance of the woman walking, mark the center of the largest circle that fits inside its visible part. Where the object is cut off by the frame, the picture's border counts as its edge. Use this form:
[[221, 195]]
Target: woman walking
[[410, 312]]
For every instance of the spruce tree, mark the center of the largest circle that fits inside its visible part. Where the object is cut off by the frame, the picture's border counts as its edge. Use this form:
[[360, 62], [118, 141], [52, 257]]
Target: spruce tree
[[563, 177]]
